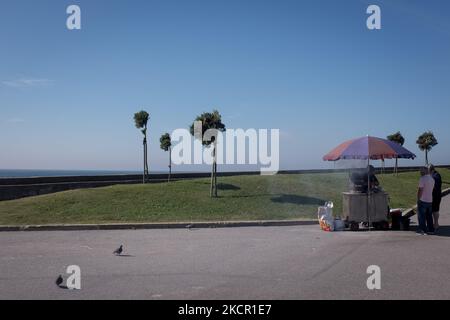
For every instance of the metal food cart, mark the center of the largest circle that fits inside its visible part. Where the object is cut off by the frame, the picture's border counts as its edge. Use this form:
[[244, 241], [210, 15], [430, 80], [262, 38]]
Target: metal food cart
[[361, 207]]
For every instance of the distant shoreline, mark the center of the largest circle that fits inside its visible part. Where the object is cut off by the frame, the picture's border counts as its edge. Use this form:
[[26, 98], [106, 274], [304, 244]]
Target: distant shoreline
[[31, 173], [42, 173]]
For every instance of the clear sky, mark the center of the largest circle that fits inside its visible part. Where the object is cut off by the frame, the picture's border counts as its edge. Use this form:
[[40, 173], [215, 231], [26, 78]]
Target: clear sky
[[310, 68]]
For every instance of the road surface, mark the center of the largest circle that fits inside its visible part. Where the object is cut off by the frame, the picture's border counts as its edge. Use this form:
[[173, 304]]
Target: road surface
[[298, 262]]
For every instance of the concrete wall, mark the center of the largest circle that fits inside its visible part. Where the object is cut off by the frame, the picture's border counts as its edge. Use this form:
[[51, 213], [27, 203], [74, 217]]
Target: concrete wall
[[15, 188]]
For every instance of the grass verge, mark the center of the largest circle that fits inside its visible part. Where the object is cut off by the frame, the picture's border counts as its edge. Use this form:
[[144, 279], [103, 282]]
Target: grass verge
[[240, 198]]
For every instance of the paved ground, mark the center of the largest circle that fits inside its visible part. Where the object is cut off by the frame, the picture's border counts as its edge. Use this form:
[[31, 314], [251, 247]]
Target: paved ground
[[236, 263]]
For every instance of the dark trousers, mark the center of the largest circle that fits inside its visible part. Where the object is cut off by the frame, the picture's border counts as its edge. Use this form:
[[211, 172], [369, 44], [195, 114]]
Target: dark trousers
[[425, 216]]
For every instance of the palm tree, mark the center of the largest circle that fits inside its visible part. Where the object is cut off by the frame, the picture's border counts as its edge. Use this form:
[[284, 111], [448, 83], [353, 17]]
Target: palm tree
[[141, 119], [398, 138], [210, 121], [426, 141], [166, 145]]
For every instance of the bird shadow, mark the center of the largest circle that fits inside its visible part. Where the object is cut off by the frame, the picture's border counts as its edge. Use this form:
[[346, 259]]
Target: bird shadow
[[124, 255], [63, 287], [296, 199]]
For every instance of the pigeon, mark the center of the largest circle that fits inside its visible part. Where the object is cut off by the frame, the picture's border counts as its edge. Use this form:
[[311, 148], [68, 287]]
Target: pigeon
[[59, 281], [118, 251]]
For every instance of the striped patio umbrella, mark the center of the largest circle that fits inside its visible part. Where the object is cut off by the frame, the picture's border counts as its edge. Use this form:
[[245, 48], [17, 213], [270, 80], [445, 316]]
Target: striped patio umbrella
[[368, 148]]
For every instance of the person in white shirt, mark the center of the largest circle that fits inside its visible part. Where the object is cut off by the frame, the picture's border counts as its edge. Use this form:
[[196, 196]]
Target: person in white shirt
[[424, 202]]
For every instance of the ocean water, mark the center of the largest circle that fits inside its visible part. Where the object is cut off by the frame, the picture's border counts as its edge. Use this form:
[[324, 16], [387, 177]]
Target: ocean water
[[31, 173], [6, 173]]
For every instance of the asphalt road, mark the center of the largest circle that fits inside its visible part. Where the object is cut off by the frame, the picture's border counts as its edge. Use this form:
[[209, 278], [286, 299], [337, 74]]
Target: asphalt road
[[298, 262]]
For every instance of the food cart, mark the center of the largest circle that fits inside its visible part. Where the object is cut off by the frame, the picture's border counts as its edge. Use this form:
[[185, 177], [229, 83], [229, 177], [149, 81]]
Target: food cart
[[368, 205]]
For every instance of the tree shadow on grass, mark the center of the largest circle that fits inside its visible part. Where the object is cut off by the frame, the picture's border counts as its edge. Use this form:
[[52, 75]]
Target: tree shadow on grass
[[227, 186], [248, 196], [296, 199]]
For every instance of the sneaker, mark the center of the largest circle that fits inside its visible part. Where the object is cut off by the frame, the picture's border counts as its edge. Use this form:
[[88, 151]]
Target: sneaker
[[420, 233]]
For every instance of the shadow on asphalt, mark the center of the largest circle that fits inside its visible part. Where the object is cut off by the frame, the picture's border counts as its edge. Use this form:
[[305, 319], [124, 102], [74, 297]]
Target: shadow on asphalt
[[444, 231], [125, 255]]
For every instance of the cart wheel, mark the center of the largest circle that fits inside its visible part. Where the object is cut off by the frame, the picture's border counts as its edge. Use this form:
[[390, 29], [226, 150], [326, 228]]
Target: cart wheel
[[354, 226], [384, 225]]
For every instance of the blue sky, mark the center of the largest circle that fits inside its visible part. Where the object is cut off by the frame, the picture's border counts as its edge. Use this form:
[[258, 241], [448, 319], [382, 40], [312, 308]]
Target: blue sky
[[310, 68]]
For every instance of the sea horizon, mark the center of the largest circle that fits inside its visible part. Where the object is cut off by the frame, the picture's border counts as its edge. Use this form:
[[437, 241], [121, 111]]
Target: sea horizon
[[39, 173], [34, 173]]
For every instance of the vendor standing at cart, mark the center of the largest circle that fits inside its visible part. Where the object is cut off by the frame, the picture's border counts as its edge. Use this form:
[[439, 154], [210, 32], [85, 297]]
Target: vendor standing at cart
[[363, 179], [373, 181]]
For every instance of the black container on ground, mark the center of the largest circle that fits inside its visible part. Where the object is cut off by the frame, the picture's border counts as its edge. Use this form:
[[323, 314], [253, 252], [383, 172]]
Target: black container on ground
[[396, 218], [405, 223]]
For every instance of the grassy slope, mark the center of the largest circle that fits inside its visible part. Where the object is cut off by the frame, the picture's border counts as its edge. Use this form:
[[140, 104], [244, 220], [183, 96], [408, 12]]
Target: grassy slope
[[241, 198]]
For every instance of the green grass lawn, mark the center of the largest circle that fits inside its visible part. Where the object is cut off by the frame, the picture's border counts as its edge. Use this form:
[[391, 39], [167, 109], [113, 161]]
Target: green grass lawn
[[240, 198]]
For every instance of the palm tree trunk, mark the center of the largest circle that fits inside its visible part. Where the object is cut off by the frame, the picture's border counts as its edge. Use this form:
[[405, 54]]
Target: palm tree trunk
[[426, 157], [170, 164], [143, 174], [215, 168], [146, 165], [213, 190], [146, 157], [215, 178]]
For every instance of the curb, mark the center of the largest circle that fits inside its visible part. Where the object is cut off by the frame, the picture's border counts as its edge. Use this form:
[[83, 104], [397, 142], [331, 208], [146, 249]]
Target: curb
[[408, 213], [141, 226]]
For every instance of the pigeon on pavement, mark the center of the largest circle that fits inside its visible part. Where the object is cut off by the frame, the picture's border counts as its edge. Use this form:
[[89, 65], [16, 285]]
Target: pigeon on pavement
[[118, 251], [59, 281]]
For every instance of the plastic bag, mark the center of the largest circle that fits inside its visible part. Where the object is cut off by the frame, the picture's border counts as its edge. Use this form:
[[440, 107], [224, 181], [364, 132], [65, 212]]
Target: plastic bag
[[325, 216], [339, 225]]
